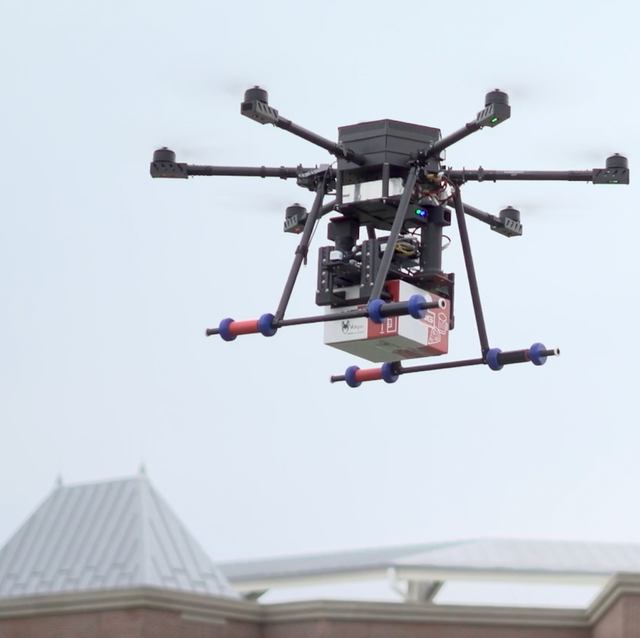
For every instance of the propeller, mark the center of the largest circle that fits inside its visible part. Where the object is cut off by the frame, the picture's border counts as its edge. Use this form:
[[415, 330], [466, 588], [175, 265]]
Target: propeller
[[195, 153], [516, 91], [208, 89], [527, 206], [233, 87], [591, 158], [548, 206], [269, 204]]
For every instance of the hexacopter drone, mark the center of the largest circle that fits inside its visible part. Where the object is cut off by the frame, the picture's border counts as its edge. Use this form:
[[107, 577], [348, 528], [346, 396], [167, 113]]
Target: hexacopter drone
[[386, 298]]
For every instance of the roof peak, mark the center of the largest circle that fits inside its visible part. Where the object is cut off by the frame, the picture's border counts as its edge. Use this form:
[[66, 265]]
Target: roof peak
[[106, 534], [140, 475]]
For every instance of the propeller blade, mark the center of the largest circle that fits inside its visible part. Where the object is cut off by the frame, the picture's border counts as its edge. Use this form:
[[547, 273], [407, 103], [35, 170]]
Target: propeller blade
[[195, 85], [537, 208], [191, 153], [594, 157]]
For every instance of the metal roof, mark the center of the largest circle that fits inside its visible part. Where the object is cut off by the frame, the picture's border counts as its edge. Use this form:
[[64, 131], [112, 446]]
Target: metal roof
[[104, 535], [345, 561], [482, 559], [523, 556]]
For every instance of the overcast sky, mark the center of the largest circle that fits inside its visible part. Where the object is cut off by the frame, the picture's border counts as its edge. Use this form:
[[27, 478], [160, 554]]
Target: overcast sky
[[109, 278]]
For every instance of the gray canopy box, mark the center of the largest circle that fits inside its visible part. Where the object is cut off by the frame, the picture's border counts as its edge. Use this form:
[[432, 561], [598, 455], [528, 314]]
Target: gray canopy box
[[382, 142]]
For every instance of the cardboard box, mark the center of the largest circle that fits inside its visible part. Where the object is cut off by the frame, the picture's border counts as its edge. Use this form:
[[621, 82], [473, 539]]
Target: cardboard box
[[397, 338]]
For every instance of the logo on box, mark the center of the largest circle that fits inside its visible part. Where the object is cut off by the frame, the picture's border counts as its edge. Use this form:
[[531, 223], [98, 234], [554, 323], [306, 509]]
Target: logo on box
[[349, 327]]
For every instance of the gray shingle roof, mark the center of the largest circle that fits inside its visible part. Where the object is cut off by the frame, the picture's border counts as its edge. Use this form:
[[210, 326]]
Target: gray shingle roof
[[106, 535]]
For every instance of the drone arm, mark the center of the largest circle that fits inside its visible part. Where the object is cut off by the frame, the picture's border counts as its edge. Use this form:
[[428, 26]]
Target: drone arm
[[335, 149], [165, 169], [496, 110], [283, 172], [449, 140], [476, 213], [256, 107], [327, 208], [482, 175], [616, 171]]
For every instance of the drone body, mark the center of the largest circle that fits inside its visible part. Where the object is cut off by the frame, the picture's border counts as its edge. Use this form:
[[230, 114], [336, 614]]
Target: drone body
[[385, 296]]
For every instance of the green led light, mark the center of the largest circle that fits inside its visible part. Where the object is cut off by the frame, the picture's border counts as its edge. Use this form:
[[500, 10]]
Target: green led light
[[493, 120], [613, 181]]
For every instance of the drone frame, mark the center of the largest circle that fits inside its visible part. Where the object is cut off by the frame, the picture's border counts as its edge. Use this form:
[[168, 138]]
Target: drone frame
[[323, 179]]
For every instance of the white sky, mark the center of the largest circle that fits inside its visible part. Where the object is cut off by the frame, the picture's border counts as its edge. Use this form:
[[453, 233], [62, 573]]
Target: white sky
[[108, 278]]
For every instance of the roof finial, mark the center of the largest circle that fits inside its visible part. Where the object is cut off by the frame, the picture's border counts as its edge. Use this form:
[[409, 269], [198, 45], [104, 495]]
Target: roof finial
[[59, 481], [142, 470]]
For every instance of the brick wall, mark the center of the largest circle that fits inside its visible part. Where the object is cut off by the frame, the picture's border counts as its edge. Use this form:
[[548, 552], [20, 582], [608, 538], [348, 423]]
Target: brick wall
[[162, 624], [610, 625], [349, 629], [631, 617], [135, 623], [621, 621]]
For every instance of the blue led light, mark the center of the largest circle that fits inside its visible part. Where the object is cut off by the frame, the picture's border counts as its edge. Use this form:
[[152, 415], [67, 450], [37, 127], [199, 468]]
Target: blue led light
[[420, 212]]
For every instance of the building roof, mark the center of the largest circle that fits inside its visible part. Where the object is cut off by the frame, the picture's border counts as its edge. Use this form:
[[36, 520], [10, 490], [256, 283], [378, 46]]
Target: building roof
[[569, 558], [581, 563], [106, 535], [324, 563]]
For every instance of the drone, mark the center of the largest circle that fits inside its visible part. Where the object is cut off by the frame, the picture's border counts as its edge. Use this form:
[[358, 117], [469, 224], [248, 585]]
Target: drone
[[385, 296]]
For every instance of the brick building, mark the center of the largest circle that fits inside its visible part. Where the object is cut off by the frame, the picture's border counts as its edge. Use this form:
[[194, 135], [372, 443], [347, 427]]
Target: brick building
[[112, 560]]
